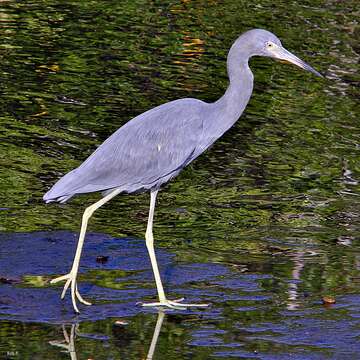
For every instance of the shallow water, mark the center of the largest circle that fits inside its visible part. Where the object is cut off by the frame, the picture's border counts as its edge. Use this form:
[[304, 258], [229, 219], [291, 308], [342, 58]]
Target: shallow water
[[262, 226]]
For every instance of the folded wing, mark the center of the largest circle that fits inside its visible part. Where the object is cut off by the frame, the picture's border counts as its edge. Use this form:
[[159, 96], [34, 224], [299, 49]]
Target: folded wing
[[144, 153]]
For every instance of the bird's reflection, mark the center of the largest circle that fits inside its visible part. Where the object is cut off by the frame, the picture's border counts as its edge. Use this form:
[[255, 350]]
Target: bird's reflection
[[68, 344], [159, 322], [293, 302]]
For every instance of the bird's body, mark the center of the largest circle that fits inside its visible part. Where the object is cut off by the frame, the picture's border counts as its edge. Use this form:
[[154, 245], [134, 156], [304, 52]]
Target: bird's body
[[155, 146], [141, 155]]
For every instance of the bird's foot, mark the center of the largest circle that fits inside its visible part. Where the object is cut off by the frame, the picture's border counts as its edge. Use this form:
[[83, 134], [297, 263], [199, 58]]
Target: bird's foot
[[173, 304], [70, 279]]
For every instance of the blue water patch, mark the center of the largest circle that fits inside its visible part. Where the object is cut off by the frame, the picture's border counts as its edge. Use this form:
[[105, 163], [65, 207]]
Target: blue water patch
[[25, 256]]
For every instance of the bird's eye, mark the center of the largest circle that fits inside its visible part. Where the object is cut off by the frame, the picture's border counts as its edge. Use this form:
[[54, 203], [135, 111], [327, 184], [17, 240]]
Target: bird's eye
[[269, 45]]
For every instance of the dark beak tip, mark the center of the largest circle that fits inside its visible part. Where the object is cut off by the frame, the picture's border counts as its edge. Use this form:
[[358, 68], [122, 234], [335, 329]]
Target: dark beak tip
[[313, 71], [319, 74]]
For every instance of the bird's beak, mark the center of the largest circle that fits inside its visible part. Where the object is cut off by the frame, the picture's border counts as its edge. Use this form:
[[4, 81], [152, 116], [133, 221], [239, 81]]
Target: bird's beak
[[278, 52]]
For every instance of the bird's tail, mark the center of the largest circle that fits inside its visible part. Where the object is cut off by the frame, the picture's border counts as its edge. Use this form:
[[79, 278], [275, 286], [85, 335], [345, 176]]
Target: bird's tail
[[61, 199], [64, 189]]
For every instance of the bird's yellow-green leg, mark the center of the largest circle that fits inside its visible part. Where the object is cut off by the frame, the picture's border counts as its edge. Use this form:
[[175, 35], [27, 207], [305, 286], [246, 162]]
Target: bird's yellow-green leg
[[163, 301], [72, 275]]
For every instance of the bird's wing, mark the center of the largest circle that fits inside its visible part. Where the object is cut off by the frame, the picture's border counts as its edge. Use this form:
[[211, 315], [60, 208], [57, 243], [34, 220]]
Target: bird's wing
[[152, 146]]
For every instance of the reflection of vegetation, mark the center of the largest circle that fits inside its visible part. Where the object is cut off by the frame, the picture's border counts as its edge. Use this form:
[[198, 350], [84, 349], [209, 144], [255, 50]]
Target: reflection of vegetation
[[36, 281], [108, 278], [88, 339], [273, 184]]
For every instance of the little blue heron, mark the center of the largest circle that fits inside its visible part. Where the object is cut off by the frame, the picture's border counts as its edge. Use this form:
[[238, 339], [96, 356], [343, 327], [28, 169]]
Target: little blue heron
[[155, 146]]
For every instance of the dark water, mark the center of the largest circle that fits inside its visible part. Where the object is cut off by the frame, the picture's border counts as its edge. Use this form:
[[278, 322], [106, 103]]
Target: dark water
[[262, 226]]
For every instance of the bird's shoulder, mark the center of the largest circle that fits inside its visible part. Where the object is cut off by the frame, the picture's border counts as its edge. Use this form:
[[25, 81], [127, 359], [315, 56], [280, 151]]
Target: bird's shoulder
[[170, 131], [178, 118], [177, 111]]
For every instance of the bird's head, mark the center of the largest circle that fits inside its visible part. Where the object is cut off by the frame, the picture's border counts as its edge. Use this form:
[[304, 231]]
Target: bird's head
[[264, 43]]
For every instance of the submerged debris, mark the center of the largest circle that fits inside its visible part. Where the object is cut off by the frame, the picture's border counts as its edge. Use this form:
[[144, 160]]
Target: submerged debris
[[328, 300], [102, 259], [5, 280], [121, 323], [66, 100]]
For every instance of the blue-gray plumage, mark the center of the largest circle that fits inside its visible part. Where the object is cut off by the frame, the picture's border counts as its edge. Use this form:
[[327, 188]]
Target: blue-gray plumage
[[155, 146]]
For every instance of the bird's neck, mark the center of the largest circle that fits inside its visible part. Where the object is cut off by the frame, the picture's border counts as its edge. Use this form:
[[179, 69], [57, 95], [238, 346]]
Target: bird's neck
[[237, 95]]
